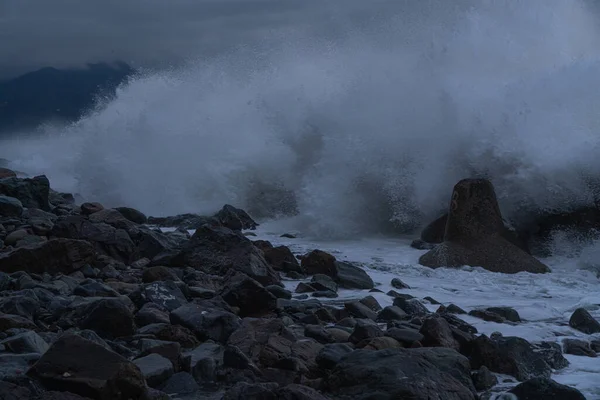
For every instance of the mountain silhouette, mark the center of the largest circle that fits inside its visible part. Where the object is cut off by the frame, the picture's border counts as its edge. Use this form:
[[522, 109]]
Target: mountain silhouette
[[51, 94]]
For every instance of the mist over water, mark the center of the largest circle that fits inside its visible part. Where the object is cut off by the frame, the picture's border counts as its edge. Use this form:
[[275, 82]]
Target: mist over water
[[370, 126]]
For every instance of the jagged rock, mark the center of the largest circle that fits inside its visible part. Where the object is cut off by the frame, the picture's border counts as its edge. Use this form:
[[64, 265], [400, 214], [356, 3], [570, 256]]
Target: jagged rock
[[364, 331], [202, 362], [109, 318], [91, 208], [279, 292], [91, 288], [40, 226], [437, 333], [352, 277], [420, 374], [31, 192], [412, 307], [382, 343], [183, 221], [216, 250], [359, 310], [151, 243], [10, 207], [82, 367], [319, 262], [305, 288], [323, 283], [261, 339], [582, 321], [487, 316], [206, 322], [546, 389], [171, 333], [54, 256], [155, 368], [249, 296], [25, 306], [473, 234], [180, 383], [281, 259], [10, 321], [26, 342], [392, 313], [115, 243], [331, 354], [169, 350], [166, 294], [509, 355], [454, 309], [235, 218], [595, 344], [552, 354], [483, 379], [159, 273], [398, 284], [10, 391], [407, 337], [132, 215], [151, 313], [578, 348], [371, 302]]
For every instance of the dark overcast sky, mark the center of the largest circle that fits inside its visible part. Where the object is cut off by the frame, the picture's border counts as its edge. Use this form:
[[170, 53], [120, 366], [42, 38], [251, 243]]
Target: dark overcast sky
[[60, 33]]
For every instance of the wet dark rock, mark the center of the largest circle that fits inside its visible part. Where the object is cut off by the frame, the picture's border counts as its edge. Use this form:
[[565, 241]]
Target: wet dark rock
[[25, 306], [279, 292], [364, 331], [151, 313], [578, 348], [282, 259], [323, 283], [582, 321], [180, 383], [184, 221], [433, 373], [331, 354], [412, 307], [155, 368], [26, 342], [454, 309], [305, 288], [547, 389], [459, 323], [216, 250], [474, 234], [352, 277], [31, 192], [151, 243], [132, 215], [552, 354], [261, 340], [235, 218], [249, 296], [169, 350], [437, 333], [91, 208], [115, 243], [171, 333], [91, 288], [431, 300], [483, 379], [392, 313], [252, 391], [508, 313], [54, 256], [203, 361], [407, 337], [10, 321], [206, 322], [159, 273], [595, 345], [359, 310], [509, 355], [10, 391], [319, 262], [398, 284], [371, 302], [109, 318], [420, 244], [10, 207], [319, 333], [487, 316], [82, 367], [165, 294]]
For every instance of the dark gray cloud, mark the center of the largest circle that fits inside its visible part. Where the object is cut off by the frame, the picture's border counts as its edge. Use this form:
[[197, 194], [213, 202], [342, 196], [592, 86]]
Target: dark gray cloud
[[61, 33]]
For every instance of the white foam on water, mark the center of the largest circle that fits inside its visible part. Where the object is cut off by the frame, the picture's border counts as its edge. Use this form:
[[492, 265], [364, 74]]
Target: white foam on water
[[545, 302]]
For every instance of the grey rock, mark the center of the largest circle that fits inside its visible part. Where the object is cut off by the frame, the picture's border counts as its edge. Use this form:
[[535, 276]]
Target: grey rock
[[180, 383], [26, 342], [547, 389], [155, 368], [578, 348], [10, 207], [584, 322]]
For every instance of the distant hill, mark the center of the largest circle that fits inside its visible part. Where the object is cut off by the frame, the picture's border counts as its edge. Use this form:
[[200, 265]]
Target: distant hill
[[50, 94]]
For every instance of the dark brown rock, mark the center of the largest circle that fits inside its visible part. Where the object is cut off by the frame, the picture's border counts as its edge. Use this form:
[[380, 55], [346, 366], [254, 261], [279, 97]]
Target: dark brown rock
[[91, 208], [473, 234], [319, 262]]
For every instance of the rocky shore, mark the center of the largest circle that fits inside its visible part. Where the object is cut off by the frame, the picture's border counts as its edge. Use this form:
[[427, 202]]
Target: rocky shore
[[100, 303]]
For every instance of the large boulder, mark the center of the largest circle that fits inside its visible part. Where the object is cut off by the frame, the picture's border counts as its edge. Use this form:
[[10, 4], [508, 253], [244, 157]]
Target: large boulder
[[583, 321], [235, 218], [546, 389], [108, 240], [217, 250], [249, 296], [132, 215], [54, 256], [80, 366], [31, 192], [509, 355], [418, 374], [110, 318], [473, 234]]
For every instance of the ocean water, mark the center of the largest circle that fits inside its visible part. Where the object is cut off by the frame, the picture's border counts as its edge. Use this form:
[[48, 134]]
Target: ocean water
[[545, 302]]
